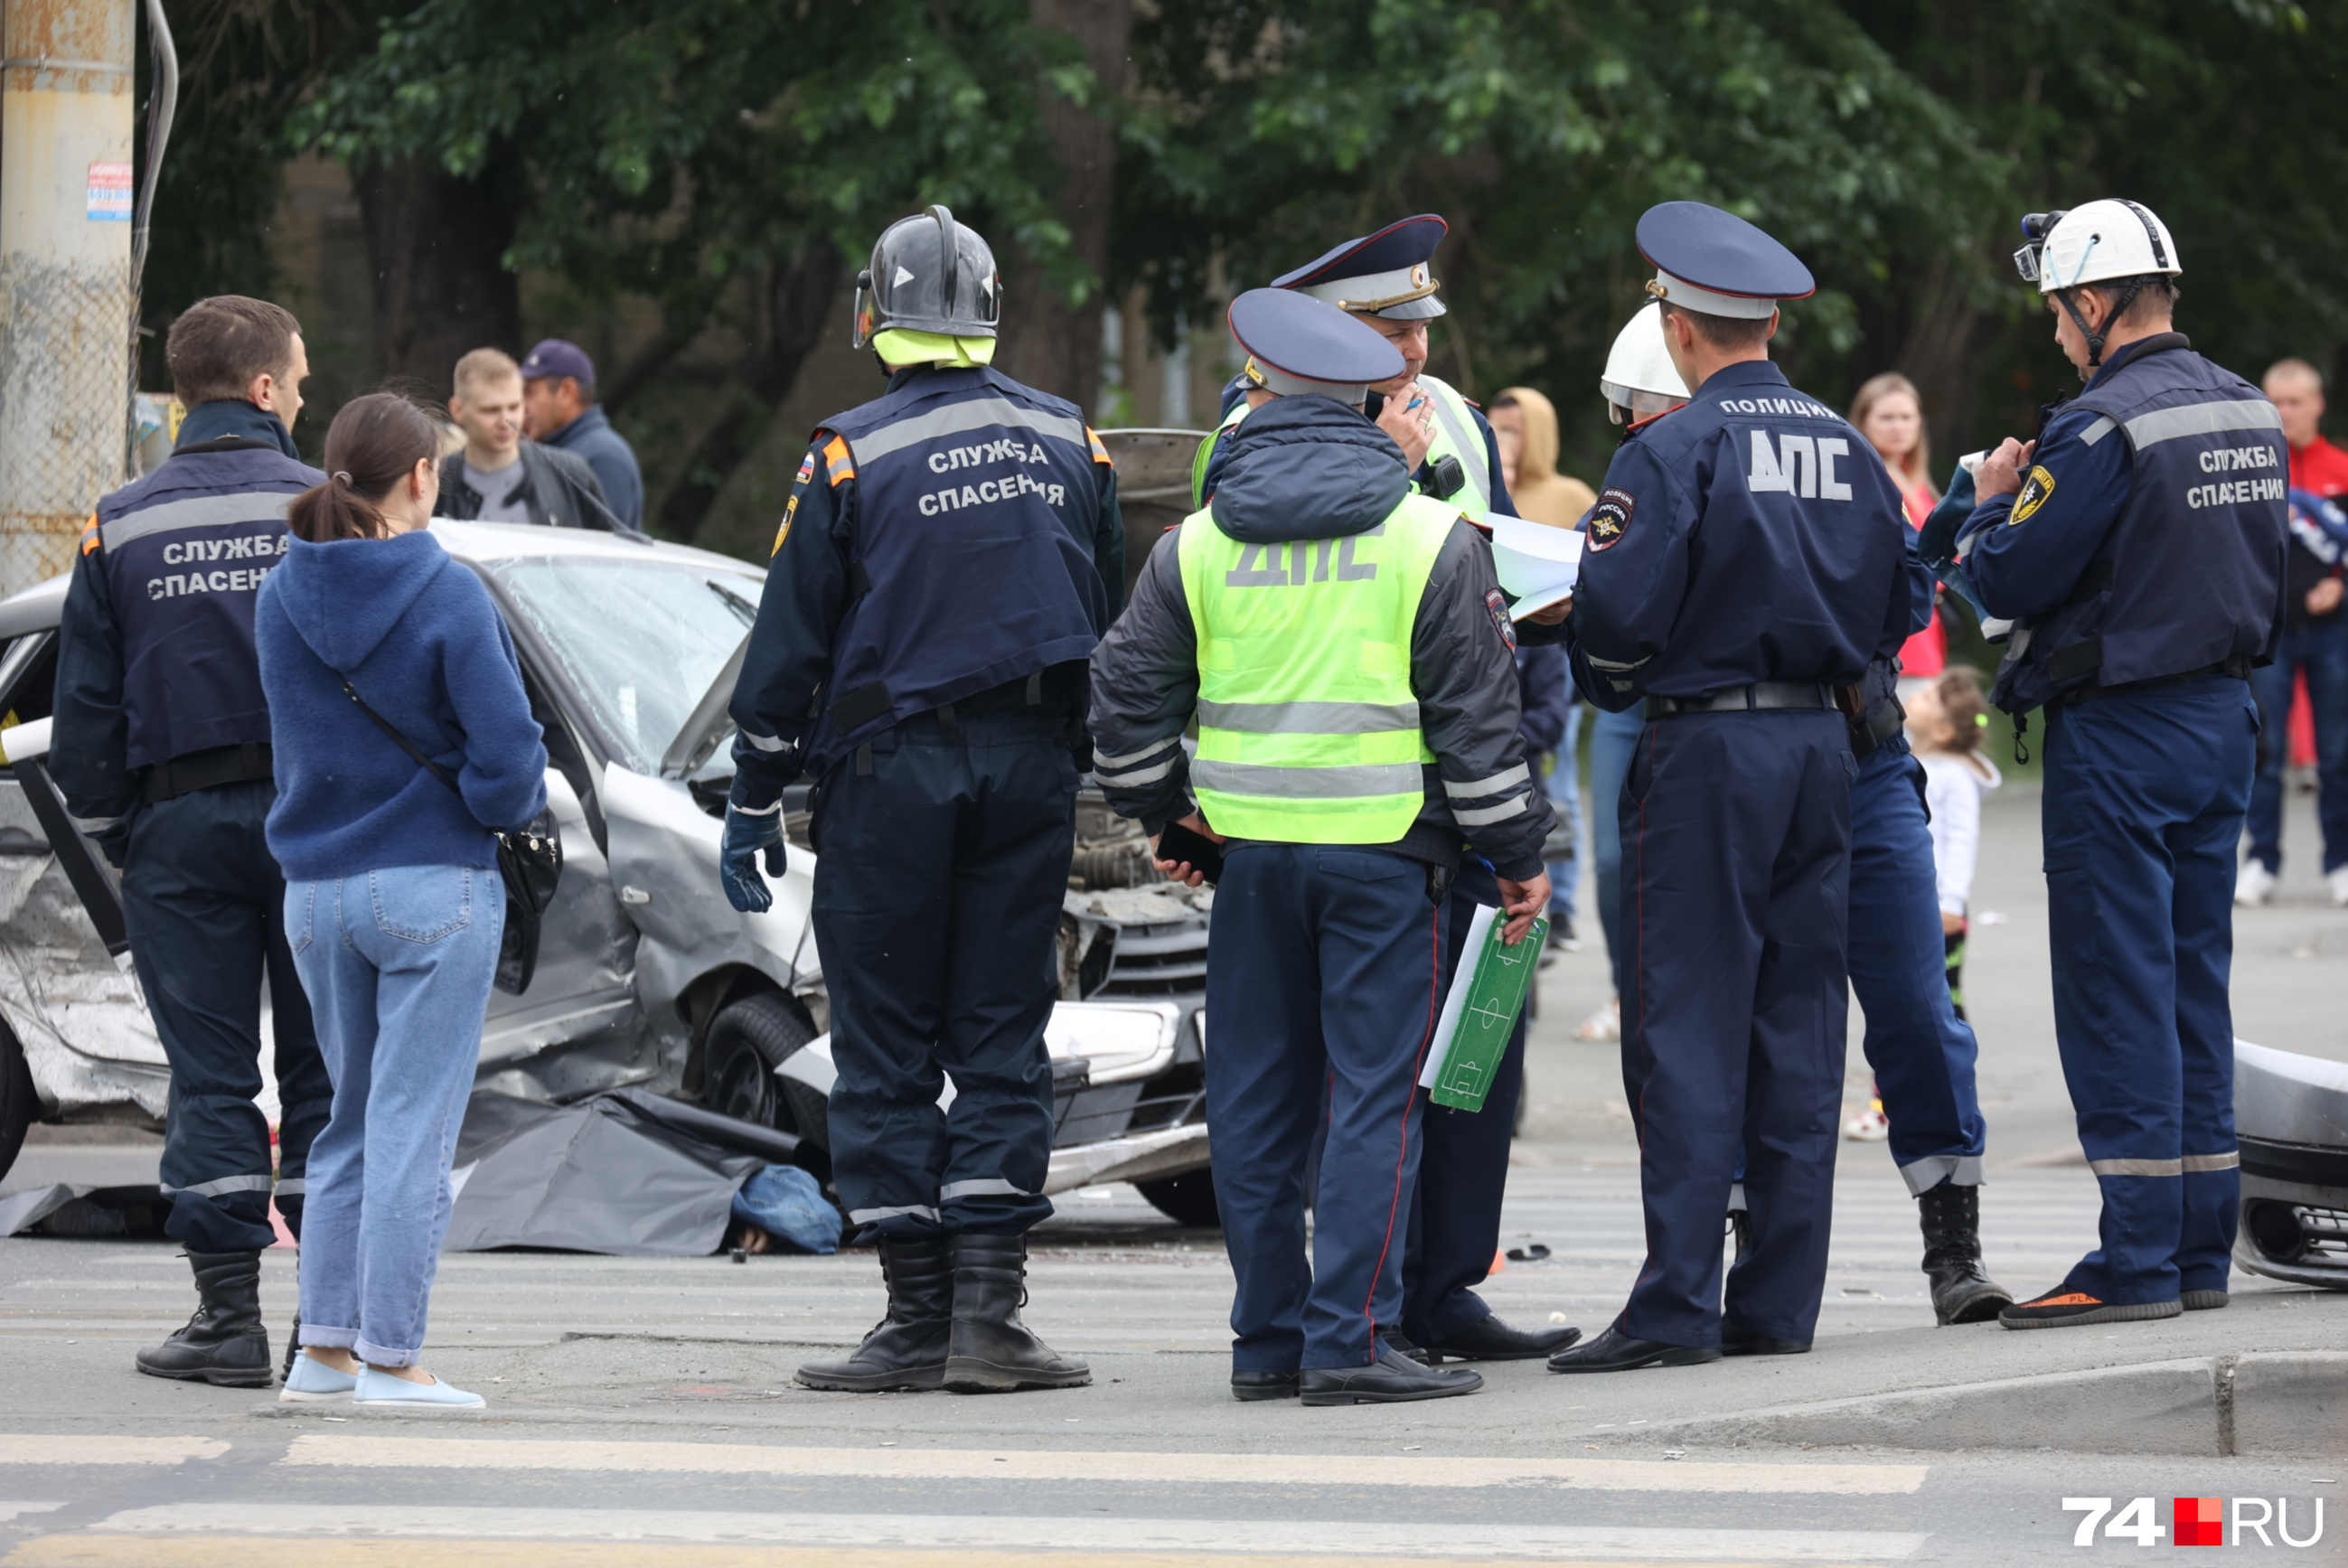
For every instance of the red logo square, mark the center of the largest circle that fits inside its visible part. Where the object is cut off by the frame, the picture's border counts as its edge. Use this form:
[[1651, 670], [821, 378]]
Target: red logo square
[[2199, 1521]]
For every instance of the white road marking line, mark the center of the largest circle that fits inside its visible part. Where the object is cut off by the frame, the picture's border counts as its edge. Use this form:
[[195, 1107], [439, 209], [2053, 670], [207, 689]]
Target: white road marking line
[[48, 1449], [9, 1511], [1284, 1537], [362, 1452]]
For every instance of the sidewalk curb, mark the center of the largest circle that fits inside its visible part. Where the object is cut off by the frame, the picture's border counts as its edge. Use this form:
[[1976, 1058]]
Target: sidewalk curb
[[2260, 1402]]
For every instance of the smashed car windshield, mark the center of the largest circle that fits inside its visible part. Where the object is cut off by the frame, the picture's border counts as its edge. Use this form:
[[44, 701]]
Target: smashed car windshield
[[639, 641]]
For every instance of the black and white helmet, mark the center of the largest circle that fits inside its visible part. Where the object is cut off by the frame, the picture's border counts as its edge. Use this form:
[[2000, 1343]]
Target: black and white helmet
[[928, 274]]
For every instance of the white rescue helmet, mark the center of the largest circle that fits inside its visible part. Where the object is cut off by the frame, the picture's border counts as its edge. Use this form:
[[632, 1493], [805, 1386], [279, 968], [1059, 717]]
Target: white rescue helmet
[[2090, 244], [1638, 362]]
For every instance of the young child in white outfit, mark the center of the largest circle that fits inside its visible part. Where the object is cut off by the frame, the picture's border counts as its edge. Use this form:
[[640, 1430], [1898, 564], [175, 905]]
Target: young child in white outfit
[[1947, 721]]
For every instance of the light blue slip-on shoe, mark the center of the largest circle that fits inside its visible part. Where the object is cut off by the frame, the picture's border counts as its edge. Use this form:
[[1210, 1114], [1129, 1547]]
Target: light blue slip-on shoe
[[381, 1391], [315, 1382]]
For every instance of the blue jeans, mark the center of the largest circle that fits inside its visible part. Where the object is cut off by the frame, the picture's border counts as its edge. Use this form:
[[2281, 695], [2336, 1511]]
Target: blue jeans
[[1565, 794], [1613, 737], [398, 965], [2322, 653]]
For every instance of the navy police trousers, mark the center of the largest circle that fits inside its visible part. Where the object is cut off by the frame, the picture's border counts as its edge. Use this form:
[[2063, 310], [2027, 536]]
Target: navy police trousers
[[205, 908], [938, 885], [2144, 803], [1736, 869], [1922, 1053], [1462, 1168], [1323, 972]]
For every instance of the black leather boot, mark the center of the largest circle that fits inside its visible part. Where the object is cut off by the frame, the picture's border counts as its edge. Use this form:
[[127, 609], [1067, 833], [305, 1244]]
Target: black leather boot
[[1962, 1293], [223, 1344], [992, 1349], [906, 1349]]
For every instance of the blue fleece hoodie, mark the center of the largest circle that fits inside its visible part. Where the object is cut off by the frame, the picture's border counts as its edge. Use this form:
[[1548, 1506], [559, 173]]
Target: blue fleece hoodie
[[419, 636]]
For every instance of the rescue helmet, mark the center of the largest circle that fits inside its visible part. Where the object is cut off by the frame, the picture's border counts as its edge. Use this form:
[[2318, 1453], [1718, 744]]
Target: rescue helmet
[[2094, 244], [928, 274], [1638, 362]]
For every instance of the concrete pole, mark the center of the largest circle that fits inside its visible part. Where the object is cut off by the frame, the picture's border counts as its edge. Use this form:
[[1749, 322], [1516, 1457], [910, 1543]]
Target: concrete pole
[[65, 273]]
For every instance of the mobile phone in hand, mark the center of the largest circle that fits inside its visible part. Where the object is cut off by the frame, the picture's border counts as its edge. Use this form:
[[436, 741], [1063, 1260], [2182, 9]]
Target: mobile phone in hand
[[1178, 843]]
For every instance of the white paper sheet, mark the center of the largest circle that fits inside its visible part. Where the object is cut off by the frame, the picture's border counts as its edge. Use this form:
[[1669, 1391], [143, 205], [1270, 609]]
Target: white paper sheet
[[1455, 1002], [1537, 563]]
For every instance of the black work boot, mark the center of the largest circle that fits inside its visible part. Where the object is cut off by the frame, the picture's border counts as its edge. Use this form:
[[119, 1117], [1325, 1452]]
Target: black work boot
[[992, 1349], [224, 1343], [906, 1349], [1962, 1293]]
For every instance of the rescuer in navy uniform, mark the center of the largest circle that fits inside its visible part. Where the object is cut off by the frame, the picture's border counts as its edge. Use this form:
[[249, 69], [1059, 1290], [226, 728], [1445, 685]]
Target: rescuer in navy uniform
[[160, 745], [949, 558], [2140, 547], [1744, 566]]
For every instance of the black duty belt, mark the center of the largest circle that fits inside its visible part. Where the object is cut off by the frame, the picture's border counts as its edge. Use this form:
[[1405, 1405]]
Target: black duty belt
[[1753, 698], [207, 770], [2237, 665]]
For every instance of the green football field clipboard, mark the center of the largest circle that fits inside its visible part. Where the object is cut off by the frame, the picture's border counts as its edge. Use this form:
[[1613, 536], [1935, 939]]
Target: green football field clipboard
[[1479, 1013]]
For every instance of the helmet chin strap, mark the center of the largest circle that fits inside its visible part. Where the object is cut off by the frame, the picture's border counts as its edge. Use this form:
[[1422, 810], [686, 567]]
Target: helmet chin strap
[[2095, 335]]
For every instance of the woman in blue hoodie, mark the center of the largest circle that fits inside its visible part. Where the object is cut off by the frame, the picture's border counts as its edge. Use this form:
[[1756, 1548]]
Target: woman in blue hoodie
[[393, 902]]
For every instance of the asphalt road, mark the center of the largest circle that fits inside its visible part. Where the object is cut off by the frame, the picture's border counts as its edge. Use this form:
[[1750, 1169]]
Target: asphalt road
[[642, 1411]]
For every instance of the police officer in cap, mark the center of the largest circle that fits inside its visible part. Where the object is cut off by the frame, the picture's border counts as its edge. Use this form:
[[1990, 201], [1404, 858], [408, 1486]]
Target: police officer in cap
[[161, 745], [1340, 641], [948, 558], [1743, 563], [1387, 280], [2139, 547]]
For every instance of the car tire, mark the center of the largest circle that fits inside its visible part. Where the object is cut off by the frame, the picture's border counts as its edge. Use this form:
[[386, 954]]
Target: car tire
[[1187, 1200], [19, 1101], [747, 1042]]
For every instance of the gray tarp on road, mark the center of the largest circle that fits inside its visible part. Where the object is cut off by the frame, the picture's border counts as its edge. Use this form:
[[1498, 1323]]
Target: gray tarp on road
[[629, 1173]]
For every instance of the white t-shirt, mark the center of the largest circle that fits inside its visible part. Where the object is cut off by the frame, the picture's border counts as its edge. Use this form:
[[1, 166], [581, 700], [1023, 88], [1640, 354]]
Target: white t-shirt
[[1953, 785], [504, 496]]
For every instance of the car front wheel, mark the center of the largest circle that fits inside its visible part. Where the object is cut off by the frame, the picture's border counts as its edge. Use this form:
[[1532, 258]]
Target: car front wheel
[[19, 1102], [1187, 1200]]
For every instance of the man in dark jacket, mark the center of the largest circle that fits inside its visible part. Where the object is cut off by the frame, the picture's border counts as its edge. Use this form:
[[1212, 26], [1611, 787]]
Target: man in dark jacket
[[1347, 654], [559, 404], [161, 747], [501, 478]]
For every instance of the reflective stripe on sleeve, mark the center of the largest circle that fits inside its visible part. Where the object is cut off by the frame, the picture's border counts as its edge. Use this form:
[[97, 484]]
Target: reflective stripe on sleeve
[[224, 1185], [756, 811], [2202, 419], [765, 742], [2136, 1167], [1154, 749], [293, 1187], [2230, 1161], [1506, 777], [201, 512], [1514, 806], [981, 1187], [1130, 778], [874, 1216]]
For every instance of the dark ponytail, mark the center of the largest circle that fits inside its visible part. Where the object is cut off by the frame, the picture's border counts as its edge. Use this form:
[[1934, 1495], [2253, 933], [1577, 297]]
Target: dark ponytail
[[373, 445]]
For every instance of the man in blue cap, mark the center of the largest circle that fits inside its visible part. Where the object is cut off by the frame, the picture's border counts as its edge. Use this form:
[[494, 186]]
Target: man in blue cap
[[1343, 645], [1387, 281], [1747, 652], [558, 407]]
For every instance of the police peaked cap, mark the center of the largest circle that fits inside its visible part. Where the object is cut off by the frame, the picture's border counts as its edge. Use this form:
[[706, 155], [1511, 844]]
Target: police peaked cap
[[1389, 273], [1715, 263], [1296, 344]]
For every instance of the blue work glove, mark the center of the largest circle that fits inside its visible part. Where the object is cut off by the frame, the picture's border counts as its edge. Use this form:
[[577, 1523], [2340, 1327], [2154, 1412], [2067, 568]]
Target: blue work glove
[[1937, 540], [738, 858]]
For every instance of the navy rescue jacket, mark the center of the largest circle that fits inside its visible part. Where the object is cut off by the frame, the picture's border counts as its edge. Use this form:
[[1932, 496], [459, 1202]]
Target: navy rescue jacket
[[958, 534], [155, 650], [2151, 537], [1312, 467], [1750, 535]]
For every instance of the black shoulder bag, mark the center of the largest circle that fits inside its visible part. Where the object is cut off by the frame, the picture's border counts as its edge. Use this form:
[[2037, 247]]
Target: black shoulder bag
[[530, 862]]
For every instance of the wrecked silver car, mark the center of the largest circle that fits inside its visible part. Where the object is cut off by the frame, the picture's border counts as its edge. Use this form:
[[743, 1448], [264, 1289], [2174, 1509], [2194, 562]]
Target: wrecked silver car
[[646, 975]]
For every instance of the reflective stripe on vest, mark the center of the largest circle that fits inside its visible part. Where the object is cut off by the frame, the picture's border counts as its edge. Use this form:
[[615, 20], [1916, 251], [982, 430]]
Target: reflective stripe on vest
[[1453, 437], [1308, 729]]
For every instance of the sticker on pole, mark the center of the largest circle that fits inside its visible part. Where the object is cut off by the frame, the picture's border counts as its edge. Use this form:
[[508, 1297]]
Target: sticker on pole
[[1479, 1013], [109, 192]]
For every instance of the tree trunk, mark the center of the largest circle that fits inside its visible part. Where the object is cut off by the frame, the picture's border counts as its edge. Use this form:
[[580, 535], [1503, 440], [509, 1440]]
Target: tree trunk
[[804, 293], [1941, 355], [1048, 342], [436, 247]]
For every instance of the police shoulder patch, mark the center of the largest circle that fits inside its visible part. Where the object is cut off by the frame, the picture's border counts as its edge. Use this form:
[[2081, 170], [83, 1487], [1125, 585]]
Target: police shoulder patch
[[1610, 520], [2036, 486], [1497, 603]]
